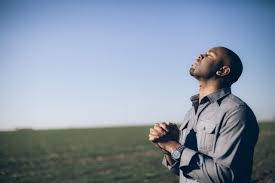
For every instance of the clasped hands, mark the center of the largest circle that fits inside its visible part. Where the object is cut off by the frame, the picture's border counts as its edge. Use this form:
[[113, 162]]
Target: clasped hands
[[165, 136]]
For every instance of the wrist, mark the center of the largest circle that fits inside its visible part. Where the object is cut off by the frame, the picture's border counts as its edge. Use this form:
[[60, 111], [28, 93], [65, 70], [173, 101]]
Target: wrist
[[176, 154], [166, 152], [163, 149], [173, 146]]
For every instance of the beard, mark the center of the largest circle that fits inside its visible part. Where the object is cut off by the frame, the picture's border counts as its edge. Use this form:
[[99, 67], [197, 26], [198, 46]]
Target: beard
[[191, 71], [201, 76], [193, 74]]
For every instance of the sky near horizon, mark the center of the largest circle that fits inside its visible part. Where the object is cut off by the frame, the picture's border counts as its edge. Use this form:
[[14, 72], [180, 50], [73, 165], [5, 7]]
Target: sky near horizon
[[103, 63]]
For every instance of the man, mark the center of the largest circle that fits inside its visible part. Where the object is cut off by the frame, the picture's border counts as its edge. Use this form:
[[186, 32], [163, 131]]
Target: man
[[218, 134]]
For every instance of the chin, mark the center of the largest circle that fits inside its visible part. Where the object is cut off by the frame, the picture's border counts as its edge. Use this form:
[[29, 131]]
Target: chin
[[192, 71], [193, 74]]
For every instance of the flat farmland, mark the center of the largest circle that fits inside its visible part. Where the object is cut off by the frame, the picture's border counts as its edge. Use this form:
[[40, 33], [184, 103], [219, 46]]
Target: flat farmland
[[119, 154]]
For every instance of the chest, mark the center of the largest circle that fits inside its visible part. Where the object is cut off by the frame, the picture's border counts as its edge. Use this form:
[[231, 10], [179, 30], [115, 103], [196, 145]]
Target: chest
[[199, 131]]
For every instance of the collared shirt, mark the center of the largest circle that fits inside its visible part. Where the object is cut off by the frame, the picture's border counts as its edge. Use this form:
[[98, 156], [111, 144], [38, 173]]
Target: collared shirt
[[219, 134]]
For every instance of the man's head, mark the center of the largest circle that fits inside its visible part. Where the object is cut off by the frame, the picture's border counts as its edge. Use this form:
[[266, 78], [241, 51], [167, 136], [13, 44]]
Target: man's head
[[219, 64]]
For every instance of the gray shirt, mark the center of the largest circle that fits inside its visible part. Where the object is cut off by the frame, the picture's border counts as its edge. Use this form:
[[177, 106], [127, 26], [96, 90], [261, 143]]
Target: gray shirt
[[219, 135]]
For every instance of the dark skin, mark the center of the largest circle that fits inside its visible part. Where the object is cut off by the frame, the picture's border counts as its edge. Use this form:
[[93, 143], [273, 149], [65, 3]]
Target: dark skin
[[209, 69]]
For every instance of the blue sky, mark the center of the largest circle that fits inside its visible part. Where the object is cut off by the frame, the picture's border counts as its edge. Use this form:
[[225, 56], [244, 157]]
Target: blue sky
[[100, 63]]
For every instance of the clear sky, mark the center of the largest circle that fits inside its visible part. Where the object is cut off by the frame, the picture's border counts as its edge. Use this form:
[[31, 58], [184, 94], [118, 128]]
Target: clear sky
[[99, 63]]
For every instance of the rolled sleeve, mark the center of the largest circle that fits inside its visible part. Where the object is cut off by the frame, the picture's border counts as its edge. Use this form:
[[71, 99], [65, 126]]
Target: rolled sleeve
[[173, 168], [186, 156]]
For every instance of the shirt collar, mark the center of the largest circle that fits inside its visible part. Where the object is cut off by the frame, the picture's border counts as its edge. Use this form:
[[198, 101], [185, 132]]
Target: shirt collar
[[213, 97]]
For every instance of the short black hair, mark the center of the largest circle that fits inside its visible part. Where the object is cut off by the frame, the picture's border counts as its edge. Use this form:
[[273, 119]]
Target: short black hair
[[235, 64]]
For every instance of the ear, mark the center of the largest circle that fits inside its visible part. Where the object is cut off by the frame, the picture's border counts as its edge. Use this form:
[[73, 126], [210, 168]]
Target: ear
[[223, 71]]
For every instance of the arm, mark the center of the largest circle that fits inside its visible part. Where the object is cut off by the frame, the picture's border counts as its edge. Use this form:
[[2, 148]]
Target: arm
[[169, 163], [234, 149]]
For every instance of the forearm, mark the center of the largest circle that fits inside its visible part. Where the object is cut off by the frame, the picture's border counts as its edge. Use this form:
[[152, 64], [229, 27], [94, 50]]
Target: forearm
[[169, 159], [201, 167], [169, 163]]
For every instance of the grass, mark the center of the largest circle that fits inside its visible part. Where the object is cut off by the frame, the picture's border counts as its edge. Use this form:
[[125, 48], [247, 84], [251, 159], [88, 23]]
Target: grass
[[102, 155]]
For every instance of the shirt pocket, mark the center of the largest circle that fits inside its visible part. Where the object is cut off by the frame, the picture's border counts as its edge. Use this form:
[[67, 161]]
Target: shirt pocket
[[205, 136], [183, 131]]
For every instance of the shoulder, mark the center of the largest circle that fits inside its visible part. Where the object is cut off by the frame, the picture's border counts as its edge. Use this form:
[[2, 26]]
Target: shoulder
[[236, 110], [233, 104], [187, 115], [232, 101]]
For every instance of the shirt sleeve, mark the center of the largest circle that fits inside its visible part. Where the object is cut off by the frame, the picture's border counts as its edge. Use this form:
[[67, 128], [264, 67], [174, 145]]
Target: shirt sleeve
[[234, 147], [173, 168]]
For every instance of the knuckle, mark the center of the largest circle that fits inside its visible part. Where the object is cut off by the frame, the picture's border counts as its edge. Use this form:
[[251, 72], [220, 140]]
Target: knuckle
[[156, 128]]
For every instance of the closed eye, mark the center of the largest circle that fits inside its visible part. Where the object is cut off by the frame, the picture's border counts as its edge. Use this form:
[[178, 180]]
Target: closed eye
[[207, 55], [210, 53]]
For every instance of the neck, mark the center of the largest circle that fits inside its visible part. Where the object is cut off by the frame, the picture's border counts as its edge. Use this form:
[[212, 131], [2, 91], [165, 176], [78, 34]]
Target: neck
[[208, 87]]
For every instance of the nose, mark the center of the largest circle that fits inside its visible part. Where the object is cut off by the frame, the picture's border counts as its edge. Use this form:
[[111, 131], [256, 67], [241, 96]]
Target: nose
[[201, 56]]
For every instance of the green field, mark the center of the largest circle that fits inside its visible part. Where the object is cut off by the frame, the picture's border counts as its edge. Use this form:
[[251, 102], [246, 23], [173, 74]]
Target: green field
[[102, 155]]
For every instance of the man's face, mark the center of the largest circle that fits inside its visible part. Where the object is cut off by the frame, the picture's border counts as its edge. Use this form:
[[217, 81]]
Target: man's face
[[207, 64]]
